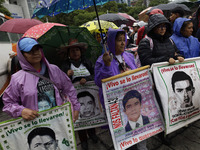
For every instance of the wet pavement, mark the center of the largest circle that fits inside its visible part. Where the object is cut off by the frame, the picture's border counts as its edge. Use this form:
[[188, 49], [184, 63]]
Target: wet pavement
[[186, 138]]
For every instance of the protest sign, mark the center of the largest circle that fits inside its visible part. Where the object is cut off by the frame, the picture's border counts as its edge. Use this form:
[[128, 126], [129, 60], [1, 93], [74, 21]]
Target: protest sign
[[131, 108], [53, 129], [178, 86], [91, 112]]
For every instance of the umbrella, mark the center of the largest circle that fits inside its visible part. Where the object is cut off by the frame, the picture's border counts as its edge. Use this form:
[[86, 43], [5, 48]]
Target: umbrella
[[19, 25], [143, 15], [59, 36], [54, 7], [38, 30], [166, 8], [115, 18], [130, 18], [93, 26]]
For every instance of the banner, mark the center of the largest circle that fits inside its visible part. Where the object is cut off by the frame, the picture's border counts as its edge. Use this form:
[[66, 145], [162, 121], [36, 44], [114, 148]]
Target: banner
[[53, 129], [131, 107], [179, 87], [91, 113]]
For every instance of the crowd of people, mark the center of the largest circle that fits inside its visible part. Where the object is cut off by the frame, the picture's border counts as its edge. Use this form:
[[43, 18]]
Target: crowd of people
[[159, 40]]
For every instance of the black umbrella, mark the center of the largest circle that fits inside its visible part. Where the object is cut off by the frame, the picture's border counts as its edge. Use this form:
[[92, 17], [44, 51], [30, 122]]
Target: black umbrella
[[115, 18], [167, 8]]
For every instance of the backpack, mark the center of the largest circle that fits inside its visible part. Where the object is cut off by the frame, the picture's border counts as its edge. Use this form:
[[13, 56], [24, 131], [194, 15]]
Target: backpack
[[151, 41]]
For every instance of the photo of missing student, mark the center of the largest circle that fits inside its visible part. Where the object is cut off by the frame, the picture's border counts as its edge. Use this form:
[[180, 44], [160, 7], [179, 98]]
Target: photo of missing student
[[89, 108], [42, 138]]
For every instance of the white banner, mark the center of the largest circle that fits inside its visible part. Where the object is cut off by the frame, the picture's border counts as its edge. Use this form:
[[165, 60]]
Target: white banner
[[131, 108], [179, 90], [53, 129], [91, 113]]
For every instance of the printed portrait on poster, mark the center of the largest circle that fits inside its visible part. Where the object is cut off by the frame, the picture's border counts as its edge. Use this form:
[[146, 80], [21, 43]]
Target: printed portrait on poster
[[89, 105], [132, 102], [42, 138]]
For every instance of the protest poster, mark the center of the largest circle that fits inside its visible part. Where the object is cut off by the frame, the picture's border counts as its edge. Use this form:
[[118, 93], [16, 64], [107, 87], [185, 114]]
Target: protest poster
[[91, 113], [178, 86], [131, 107], [53, 129]]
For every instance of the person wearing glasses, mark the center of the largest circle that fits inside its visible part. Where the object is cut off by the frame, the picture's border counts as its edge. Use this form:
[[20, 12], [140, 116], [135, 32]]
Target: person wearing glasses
[[24, 93], [158, 47], [188, 45]]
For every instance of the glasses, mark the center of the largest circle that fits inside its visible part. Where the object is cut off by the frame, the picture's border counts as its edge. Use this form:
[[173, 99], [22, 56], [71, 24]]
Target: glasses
[[162, 27]]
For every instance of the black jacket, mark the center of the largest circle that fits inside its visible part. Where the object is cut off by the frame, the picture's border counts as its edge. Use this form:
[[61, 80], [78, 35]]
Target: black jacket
[[163, 48], [67, 64]]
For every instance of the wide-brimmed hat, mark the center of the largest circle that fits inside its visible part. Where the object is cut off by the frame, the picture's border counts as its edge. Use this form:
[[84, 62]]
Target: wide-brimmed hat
[[74, 43]]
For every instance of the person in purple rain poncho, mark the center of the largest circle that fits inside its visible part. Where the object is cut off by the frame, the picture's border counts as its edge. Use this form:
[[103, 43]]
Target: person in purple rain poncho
[[122, 61], [106, 67], [25, 89]]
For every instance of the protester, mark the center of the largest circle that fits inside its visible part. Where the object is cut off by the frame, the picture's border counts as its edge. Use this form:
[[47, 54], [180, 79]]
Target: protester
[[122, 61], [196, 22], [176, 13], [142, 32], [188, 45], [158, 47], [21, 96], [133, 37], [81, 70]]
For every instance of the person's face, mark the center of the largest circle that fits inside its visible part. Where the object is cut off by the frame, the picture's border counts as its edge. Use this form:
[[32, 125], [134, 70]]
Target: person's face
[[184, 92], [43, 105], [188, 30], [44, 142], [173, 17], [135, 28], [87, 106], [120, 44], [160, 29], [75, 53], [132, 109], [34, 56]]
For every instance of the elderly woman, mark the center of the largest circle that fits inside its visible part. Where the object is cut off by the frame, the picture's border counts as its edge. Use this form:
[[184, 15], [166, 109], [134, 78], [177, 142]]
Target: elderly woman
[[158, 47], [80, 70], [188, 45], [23, 94]]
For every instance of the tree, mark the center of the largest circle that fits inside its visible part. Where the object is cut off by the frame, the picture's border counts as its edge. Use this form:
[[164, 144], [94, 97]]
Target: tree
[[3, 9], [157, 2]]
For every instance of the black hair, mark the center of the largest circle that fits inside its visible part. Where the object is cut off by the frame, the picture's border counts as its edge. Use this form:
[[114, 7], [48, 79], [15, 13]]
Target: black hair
[[178, 10], [185, 24], [180, 76], [120, 33], [41, 131], [126, 28], [131, 94], [84, 94]]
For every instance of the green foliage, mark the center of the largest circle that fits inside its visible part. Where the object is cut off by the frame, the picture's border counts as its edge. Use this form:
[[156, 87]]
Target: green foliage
[[157, 2], [1, 2], [4, 10], [80, 17]]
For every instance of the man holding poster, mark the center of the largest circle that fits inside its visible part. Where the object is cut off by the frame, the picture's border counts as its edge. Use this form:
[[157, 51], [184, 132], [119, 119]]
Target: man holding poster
[[132, 108], [183, 88]]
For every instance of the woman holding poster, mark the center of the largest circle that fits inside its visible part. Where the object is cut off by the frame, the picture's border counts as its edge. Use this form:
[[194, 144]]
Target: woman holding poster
[[81, 70], [115, 62], [37, 79], [158, 47]]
